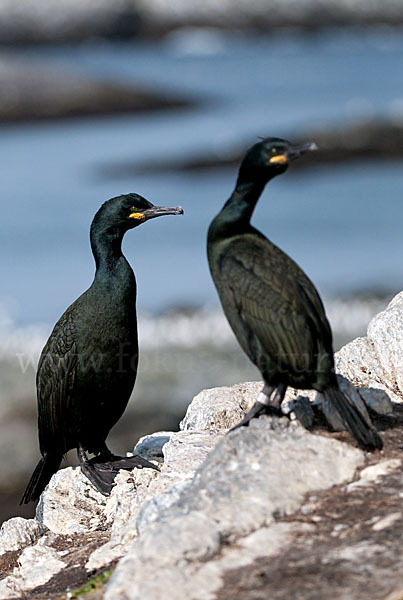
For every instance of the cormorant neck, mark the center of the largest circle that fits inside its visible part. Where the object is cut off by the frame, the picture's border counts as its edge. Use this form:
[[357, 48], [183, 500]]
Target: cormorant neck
[[249, 192], [107, 249], [241, 204]]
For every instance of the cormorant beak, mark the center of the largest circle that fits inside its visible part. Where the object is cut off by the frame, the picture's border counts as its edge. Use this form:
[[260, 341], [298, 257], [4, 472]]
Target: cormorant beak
[[293, 153], [299, 149], [157, 211]]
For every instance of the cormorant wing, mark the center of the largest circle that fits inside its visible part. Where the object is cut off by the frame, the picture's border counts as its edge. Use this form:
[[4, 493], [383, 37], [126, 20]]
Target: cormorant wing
[[55, 382], [276, 302]]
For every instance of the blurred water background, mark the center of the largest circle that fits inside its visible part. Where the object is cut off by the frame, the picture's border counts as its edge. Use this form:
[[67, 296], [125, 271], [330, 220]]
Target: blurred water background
[[341, 222]]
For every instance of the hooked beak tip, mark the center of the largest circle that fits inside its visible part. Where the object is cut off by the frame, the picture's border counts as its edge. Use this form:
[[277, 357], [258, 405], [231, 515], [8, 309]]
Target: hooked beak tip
[[299, 150]]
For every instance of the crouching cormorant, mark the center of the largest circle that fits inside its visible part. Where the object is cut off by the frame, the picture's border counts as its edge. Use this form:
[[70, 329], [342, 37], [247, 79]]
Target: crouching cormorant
[[273, 308], [88, 366]]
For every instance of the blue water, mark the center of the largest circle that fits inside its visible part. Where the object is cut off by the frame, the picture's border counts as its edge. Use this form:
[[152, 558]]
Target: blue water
[[341, 223]]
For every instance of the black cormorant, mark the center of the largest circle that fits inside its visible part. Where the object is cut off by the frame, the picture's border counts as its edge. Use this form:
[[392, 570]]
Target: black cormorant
[[88, 366], [273, 308]]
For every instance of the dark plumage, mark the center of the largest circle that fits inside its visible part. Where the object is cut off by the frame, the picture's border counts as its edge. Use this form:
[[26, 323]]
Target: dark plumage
[[88, 366], [273, 308]]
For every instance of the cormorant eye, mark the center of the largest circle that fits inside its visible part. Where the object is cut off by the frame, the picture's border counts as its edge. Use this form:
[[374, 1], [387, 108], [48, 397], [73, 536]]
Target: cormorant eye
[[274, 150], [134, 209]]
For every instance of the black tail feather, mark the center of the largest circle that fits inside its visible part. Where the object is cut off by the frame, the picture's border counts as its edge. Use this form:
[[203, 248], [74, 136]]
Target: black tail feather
[[355, 423], [46, 467]]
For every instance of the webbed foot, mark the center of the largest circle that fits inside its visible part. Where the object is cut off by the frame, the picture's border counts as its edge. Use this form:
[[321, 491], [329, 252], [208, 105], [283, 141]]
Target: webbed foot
[[258, 409], [266, 403], [102, 469]]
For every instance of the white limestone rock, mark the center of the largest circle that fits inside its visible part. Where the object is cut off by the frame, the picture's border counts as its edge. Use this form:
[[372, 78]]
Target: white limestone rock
[[70, 503], [374, 473], [386, 333], [251, 476], [183, 454], [376, 362], [220, 408], [37, 565], [16, 533]]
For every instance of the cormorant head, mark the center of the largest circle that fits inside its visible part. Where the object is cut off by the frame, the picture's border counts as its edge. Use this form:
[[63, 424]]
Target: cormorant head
[[271, 157], [127, 211]]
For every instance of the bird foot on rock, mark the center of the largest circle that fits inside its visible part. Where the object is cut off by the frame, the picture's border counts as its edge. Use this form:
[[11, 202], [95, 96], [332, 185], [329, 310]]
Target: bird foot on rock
[[128, 462], [102, 470], [258, 409]]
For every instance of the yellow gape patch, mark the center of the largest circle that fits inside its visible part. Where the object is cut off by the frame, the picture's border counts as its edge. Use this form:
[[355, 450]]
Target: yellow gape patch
[[279, 159], [136, 215]]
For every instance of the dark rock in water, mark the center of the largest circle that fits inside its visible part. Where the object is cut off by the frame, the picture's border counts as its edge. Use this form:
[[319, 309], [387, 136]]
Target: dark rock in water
[[44, 21], [372, 139], [30, 92]]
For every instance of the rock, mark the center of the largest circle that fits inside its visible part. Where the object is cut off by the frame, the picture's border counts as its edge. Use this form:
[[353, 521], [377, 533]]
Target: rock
[[374, 473], [186, 450], [388, 521], [300, 408], [360, 553], [339, 551], [70, 504], [216, 518], [220, 408], [386, 333], [71, 20], [356, 361], [264, 454], [376, 362], [55, 93], [376, 399], [120, 512], [266, 15], [17, 533], [218, 506], [38, 564], [183, 453], [157, 505], [204, 549], [150, 446]]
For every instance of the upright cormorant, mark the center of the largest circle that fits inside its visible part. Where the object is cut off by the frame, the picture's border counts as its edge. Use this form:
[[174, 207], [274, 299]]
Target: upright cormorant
[[88, 366], [272, 307]]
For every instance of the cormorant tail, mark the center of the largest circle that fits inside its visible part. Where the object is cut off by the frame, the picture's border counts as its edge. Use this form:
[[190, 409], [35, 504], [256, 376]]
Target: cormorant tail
[[363, 432], [40, 478]]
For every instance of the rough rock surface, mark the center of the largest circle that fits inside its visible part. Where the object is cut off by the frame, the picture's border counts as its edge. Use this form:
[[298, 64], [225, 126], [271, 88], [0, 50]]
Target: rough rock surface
[[222, 408], [219, 507], [17, 533], [352, 550], [376, 361], [37, 564], [271, 510], [183, 452]]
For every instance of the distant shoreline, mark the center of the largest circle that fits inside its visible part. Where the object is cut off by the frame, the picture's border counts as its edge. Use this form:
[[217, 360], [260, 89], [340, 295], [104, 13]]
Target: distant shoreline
[[33, 92], [46, 22], [377, 138]]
